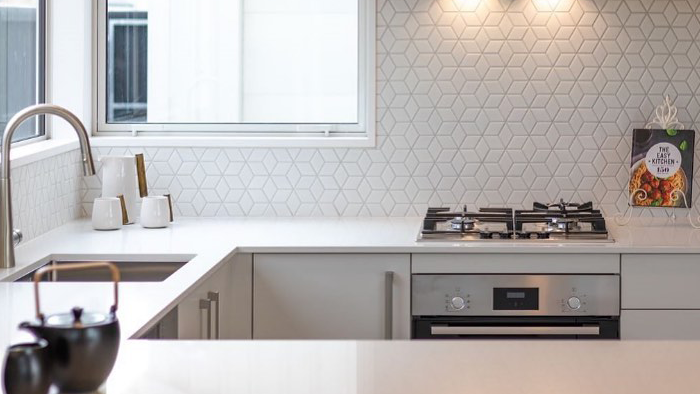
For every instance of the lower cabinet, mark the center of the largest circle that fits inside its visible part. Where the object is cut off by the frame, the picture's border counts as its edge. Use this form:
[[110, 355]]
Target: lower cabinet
[[331, 296], [660, 324], [220, 307], [659, 296]]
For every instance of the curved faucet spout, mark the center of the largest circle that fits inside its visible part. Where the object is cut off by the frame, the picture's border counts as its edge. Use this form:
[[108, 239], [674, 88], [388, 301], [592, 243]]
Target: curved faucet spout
[[45, 109], [7, 241]]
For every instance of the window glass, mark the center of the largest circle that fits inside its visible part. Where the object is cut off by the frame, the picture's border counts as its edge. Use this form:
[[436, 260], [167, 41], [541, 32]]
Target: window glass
[[21, 63], [232, 61]]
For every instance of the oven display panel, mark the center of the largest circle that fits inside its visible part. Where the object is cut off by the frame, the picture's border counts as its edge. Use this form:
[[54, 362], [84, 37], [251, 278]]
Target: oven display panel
[[516, 299]]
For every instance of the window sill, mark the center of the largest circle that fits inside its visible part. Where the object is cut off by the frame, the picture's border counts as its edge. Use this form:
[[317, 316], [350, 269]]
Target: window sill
[[36, 151], [209, 141]]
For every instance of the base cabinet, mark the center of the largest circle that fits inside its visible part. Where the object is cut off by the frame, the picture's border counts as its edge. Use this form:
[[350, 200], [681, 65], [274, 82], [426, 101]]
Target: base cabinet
[[331, 296], [660, 324], [220, 307]]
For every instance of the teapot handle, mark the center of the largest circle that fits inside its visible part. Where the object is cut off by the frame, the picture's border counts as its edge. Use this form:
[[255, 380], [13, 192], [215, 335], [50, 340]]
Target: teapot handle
[[72, 267]]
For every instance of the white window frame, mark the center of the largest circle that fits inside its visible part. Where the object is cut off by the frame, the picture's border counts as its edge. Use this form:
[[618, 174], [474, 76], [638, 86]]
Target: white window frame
[[42, 52], [361, 134]]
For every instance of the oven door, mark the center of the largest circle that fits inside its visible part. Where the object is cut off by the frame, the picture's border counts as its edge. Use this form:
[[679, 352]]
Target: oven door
[[515, 327]]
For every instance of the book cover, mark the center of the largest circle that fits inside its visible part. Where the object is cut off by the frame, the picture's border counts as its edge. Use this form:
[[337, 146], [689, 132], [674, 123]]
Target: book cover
[[662, 168]]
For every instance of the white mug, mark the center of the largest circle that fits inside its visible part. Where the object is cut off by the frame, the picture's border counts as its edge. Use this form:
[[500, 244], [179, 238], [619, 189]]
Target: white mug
[[107, 213], [155, 212]]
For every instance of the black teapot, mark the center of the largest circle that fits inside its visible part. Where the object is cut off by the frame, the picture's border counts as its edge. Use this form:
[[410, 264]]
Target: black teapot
[[82, 346]]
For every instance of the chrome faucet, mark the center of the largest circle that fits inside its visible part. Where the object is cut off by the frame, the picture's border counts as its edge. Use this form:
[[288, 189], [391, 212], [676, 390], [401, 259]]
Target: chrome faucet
[[9, 237]]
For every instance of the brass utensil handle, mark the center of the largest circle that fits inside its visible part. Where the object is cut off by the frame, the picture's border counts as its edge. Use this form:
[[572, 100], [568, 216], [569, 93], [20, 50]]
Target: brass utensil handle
[[141, 175], [73, 267]]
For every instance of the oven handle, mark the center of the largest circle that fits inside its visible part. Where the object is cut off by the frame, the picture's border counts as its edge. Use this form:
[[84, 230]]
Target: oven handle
[[514, 330]]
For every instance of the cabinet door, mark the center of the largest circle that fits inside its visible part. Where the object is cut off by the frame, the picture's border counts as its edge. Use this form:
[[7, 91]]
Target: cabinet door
[[194, 315], [220, 307], [660, 324], [660, 281], [236, 295], [331, 296]]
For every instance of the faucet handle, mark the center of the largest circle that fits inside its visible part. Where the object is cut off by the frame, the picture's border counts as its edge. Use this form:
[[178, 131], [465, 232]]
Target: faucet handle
[[17, 236]]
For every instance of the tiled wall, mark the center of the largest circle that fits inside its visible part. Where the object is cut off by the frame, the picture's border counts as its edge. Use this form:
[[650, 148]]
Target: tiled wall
[[46, 193], [484, 102]]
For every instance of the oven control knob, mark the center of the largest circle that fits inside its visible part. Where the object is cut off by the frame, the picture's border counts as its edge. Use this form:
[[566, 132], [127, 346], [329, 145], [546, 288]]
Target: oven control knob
[[457, 303], [574, 302]]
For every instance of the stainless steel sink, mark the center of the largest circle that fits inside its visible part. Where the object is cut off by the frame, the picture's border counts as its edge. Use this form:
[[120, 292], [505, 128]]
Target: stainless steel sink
[[131, 271]]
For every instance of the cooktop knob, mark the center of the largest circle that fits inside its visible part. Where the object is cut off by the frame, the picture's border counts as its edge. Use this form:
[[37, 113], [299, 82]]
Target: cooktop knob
[[574, 302], [457, 303]]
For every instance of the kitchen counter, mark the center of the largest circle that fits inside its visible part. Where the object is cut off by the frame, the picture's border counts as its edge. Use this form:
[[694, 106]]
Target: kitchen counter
[[208, 242], [571, 367]]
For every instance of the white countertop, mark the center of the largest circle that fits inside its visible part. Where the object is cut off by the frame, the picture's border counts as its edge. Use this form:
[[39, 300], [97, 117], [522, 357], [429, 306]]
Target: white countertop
[[402, 367], [209, 241]]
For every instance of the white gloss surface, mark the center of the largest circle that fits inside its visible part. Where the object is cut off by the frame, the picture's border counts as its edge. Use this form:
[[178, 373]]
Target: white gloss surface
[[210, 241], [402, 367]]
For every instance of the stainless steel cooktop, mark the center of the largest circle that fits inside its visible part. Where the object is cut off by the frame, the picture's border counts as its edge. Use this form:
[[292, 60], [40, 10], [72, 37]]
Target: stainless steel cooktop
[[546, 223]]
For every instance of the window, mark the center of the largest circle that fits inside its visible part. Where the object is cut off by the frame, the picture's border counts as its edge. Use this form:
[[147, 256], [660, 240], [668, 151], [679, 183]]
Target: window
[[254, 67], [22, 53]]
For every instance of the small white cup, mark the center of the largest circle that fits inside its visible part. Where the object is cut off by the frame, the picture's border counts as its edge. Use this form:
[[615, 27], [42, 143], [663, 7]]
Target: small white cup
[[107, 213], [155, 212]]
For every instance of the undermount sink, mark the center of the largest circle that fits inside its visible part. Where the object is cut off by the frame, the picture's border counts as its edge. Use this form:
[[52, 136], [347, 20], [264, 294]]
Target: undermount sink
[[131, 271]]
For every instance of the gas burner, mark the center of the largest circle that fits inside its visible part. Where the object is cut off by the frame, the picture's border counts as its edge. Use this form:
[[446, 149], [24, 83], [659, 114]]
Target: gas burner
[[486, 235], [563, 224], [463, 224], [562, 206], [523, 235], [543, 235], [504, 235]]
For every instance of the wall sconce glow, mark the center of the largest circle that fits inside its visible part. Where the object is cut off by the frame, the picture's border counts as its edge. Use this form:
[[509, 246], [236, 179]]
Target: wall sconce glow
[[546, 5], [467, 5]]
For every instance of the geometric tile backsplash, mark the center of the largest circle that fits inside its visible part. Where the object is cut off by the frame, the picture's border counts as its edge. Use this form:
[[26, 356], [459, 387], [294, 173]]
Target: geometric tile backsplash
[[46, 193], [483, 102]]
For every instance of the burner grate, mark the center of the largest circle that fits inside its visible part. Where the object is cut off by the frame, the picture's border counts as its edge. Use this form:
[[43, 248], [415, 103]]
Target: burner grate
[[559, 221]]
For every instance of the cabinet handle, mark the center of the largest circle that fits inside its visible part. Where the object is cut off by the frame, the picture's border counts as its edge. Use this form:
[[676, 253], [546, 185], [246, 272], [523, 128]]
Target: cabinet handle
[[388, 304], [213, 296], [205, 305]]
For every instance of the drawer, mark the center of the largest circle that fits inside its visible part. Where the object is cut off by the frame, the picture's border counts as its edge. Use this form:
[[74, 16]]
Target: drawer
[[660, 281], [660, 324], [511, 263]]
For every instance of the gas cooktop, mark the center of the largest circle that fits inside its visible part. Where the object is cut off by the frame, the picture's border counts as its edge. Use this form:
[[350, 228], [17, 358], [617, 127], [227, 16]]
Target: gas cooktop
[[555, 222]]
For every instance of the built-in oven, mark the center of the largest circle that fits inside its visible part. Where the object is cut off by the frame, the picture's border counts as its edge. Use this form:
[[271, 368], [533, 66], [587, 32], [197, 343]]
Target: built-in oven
[[465, 306]]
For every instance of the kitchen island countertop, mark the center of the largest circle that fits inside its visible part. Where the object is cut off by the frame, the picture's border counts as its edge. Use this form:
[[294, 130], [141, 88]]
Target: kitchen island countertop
[[401, 367]]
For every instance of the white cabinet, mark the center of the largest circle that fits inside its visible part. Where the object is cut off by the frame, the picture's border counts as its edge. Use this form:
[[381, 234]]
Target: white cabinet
[[660, 324], [660, 281], [660, 298], [221, 306], [331, 296]]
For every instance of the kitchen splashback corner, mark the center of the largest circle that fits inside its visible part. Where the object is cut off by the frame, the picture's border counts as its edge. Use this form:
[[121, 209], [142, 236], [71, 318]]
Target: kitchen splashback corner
[[47, 193]]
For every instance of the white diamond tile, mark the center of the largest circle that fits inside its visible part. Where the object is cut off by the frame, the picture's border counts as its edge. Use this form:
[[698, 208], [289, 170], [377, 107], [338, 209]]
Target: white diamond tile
[[483, 103]]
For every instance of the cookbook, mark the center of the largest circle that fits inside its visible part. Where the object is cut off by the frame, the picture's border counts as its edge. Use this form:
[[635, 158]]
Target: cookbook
[[662, 168]]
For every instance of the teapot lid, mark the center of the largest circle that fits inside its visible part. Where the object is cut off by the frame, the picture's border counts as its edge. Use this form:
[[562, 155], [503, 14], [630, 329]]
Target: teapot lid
[[76, 318]]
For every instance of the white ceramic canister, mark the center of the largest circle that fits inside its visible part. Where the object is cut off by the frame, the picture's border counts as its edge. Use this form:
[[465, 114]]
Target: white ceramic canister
[[119, 177], [155, 212], [107, 213]]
